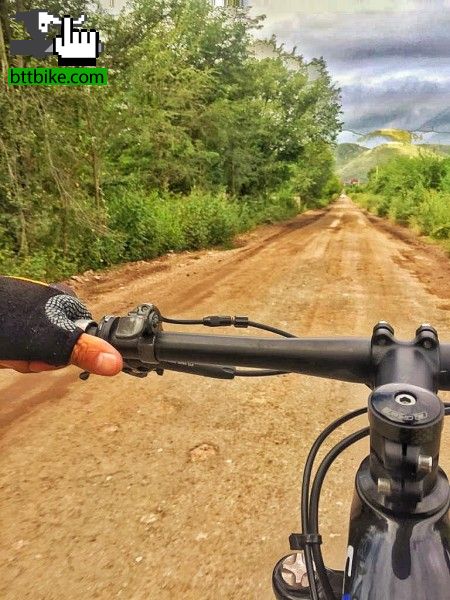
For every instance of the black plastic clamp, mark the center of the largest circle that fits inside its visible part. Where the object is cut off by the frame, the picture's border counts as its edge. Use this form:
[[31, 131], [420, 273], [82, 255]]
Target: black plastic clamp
[[298, 541], [241, 322]]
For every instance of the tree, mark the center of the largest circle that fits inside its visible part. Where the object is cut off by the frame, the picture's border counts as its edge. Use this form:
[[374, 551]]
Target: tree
[[189, 110]]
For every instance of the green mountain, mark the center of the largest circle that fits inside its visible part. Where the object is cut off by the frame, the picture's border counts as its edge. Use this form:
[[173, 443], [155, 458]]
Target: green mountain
[[347, 152], [355, 162], [442, 149]]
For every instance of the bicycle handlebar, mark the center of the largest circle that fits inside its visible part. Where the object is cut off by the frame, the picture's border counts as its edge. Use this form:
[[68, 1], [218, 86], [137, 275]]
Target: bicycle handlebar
[[345, 359], [372, 361], [444, 372]]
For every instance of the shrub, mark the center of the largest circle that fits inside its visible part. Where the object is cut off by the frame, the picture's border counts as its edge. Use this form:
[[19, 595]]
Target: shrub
[[404, 205], [143, 225], [208, 220], [414, 191], [433, 215]]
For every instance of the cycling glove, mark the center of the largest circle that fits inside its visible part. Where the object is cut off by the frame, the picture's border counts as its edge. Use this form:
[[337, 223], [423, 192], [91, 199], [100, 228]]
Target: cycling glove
[[37, 321]]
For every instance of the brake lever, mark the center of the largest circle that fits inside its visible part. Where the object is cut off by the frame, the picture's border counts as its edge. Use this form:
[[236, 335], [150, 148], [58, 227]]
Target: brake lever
[[212, 371], [138, 330], [136, 368]]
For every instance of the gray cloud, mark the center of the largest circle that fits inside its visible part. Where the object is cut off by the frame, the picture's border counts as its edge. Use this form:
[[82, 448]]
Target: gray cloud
[[375, 36], [407, 103], [404, 107], [391, 59]]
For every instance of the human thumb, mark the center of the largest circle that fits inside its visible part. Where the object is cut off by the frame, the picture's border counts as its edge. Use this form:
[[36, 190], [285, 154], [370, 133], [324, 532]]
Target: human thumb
[[96, 356]]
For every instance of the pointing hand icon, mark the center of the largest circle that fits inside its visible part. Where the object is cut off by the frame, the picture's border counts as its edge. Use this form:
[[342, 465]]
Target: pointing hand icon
[[76, 47]]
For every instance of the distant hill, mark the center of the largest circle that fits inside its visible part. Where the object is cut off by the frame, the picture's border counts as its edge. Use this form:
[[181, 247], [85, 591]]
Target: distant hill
[[443, 149], [354, 161], [347, 152]]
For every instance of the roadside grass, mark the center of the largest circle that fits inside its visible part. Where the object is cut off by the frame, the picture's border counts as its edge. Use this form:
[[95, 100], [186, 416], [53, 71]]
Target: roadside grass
[[411, 191], [142, 226], [427, 212]]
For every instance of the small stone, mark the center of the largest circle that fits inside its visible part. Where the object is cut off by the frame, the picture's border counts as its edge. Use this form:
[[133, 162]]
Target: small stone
[[139, 559], [202, 452], [201, 536], [20, 544], [148, 519], [111, 428]]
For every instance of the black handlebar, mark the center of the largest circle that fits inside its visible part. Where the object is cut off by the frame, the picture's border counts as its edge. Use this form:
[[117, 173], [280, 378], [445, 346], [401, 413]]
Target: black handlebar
[[444, 371], [345, 359], [372, 361]]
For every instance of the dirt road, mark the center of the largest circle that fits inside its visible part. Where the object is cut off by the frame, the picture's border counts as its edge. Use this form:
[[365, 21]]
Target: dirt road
[[106, 489]]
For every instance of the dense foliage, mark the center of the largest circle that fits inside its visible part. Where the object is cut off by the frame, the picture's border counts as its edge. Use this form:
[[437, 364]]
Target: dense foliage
[[194, 139], [413, 191]]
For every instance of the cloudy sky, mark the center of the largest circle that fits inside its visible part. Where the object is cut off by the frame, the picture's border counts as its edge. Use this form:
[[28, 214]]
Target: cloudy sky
[[391, 59]]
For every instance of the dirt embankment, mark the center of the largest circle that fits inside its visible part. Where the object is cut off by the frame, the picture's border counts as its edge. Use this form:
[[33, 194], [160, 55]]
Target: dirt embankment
[[178, 487]]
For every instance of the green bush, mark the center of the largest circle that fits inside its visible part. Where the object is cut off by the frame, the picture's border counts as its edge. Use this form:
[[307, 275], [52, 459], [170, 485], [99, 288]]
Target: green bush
[[97, 251], [208, 220], [167, 224], [403, 207], [370, 202], [141, 226], [433, 215], [333, 187], [46, 266], [414, 191], [134, 213]]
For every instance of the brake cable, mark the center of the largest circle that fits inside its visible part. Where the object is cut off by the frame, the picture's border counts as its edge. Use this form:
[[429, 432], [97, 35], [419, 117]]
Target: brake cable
[[314, 504], [227, 321], [304, 501], [310, 502], [240, 323]]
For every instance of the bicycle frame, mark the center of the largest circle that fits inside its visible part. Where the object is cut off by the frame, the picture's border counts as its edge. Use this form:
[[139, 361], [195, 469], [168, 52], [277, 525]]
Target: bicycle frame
[[399, 534]]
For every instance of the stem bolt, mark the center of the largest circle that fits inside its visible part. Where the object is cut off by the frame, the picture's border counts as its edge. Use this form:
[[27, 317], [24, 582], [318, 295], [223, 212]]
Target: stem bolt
[[384, 486], [405, 399], [424, 463], [383, 333]]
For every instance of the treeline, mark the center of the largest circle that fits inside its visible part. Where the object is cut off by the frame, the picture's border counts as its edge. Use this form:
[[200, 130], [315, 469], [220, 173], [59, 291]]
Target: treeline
[[194, 139], [412, 191]]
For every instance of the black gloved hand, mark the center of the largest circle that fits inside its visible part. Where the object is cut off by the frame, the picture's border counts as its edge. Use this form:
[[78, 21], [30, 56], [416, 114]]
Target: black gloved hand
[[37, 326]]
